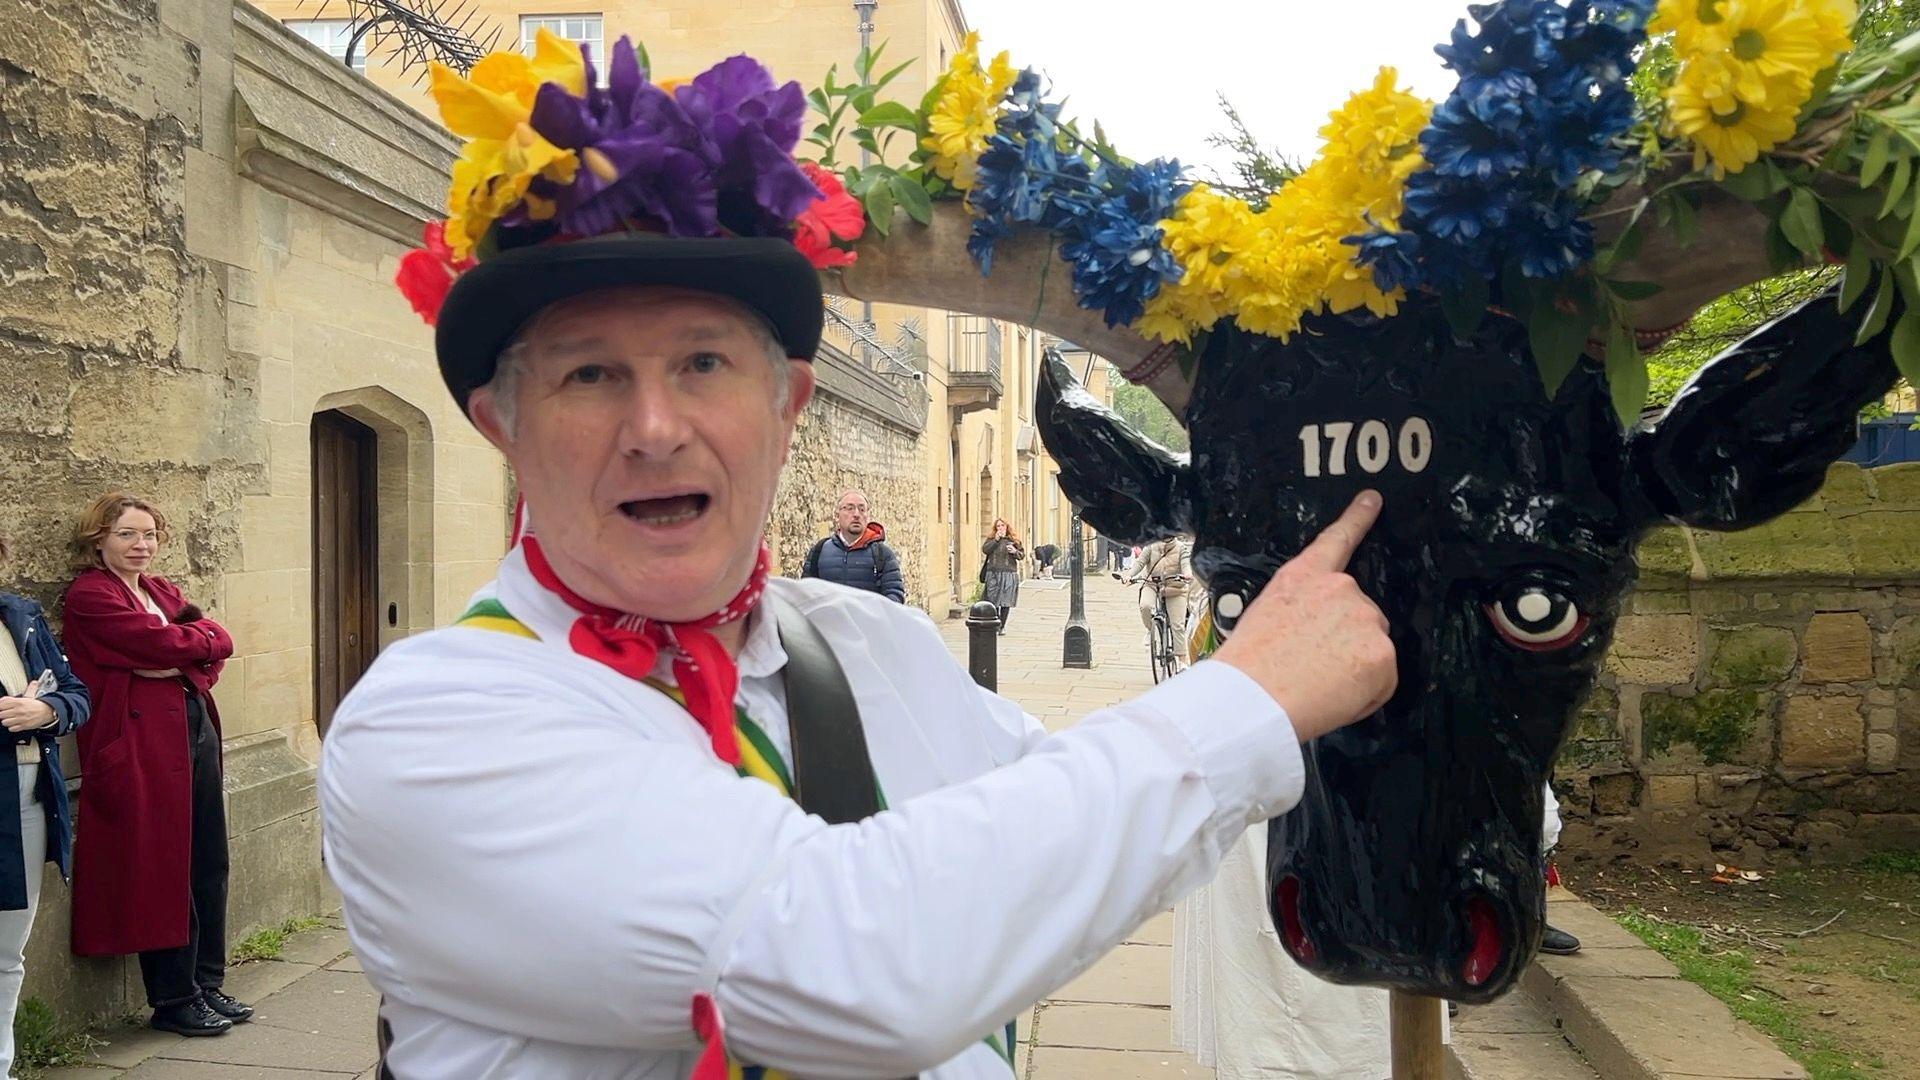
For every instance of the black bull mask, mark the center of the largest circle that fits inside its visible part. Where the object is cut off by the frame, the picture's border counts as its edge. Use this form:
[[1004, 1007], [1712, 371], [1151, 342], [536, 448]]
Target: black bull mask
[[1501, 557]]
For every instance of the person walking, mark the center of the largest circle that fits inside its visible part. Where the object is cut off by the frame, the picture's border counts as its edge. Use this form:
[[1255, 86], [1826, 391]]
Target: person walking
[[43, 700], [856, 553], [150, 861], [1000, 572]]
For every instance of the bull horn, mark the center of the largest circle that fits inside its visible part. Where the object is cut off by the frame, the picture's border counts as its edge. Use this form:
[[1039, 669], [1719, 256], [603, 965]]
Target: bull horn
[[928, 266]]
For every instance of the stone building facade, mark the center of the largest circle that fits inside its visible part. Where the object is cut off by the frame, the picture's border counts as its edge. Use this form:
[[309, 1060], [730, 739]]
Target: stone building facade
[[970, 407], [200, 218], [1762, 697]]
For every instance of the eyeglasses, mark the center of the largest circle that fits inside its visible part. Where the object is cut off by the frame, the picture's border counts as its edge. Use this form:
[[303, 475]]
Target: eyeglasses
[[128, 536]]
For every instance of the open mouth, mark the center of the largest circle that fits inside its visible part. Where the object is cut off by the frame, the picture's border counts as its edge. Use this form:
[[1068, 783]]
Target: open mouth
[[667, 511]]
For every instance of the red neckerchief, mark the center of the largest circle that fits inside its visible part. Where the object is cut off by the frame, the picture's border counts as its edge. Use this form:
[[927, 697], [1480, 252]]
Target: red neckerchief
[[630, 645]]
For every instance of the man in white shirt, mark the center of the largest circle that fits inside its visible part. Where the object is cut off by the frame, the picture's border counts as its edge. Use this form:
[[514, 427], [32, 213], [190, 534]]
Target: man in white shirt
[[561, 827]]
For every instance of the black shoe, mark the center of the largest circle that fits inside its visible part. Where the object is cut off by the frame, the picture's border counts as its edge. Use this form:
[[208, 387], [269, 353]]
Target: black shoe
[[191, 1018], [233, 1010], [1558, 942], [1453, 1008]]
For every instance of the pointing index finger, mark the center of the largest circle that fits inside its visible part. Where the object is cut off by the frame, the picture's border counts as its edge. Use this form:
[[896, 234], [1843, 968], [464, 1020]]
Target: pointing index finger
[[1336, 543]]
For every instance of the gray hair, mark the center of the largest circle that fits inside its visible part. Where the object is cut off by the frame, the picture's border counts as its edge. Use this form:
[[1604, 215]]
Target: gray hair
[[505, 384]]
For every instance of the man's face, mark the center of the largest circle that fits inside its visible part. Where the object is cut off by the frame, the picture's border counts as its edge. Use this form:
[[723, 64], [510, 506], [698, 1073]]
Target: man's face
[[850, 517], [648, 440]]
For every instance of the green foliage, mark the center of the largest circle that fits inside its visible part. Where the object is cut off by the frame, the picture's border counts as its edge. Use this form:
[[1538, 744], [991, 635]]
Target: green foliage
[[41, 1041], [1894, 863], [855, 111], [1728, 974], [1722, 323], [1146, 414], [1717, 723], [268, 943], [1258, 170]]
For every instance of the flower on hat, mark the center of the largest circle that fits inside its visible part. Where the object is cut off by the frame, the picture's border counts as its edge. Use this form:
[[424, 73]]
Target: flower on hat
[[490, 107], [836, 215], [426, 274]]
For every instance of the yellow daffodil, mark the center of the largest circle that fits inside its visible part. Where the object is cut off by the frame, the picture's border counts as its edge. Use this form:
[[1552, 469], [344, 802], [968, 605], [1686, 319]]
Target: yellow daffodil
[[965, 114], [490, 108]]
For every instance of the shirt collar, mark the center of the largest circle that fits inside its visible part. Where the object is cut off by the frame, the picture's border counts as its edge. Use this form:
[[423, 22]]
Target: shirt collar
[[547, 615]]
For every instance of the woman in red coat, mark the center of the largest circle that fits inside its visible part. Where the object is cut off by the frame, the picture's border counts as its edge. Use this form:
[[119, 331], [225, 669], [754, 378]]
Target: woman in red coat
[[150, 858]]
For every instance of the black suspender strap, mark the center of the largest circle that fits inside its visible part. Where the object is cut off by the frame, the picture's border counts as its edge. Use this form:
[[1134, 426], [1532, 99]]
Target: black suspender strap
[[832, 772]]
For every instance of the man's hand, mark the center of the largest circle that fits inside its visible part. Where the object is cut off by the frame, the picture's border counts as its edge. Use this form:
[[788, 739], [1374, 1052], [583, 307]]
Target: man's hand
[[25, 714], [1312, 639]]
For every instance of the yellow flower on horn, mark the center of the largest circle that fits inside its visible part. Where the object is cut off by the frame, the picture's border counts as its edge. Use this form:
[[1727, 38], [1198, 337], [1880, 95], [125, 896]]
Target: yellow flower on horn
[[1269, 270], [966, 111], [490, 107], [1746, 69]]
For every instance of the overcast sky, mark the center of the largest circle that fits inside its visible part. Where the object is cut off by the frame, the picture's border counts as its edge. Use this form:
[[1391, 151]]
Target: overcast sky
[[1149, 71]]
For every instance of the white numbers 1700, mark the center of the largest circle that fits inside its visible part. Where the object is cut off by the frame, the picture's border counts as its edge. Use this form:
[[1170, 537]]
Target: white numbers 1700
[[1372, 446]]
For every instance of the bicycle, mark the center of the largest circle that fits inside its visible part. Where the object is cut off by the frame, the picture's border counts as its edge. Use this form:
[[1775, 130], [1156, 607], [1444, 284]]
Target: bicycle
[[1165, 650]]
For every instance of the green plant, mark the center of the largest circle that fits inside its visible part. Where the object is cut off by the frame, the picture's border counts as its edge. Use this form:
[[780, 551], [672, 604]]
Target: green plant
[[41, 1041], [1902, 863], [853, 110], [267, 943], [1727, 974]]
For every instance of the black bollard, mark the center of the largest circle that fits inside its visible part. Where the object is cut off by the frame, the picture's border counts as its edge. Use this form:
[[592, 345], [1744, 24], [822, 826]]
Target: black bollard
[[1076, 648], [983, 632]]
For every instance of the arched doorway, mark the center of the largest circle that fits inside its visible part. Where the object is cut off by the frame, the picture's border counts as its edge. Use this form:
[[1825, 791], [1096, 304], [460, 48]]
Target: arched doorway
[[346, 553]]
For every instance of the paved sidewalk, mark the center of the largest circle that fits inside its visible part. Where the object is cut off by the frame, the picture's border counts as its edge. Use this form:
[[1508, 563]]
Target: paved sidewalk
[[1111, 1023], [315, 1011]]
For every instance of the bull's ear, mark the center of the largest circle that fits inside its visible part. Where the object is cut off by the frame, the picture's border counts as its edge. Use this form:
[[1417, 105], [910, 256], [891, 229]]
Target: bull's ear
[[1750, 436], [1127, 486]]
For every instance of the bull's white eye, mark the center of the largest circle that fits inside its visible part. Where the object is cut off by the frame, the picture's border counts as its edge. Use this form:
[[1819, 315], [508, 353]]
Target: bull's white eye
[[1227, 608], [1538, 618]]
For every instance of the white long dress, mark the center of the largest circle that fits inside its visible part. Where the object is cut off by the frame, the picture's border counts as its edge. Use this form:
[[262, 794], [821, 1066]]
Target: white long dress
[[1243, 1007]]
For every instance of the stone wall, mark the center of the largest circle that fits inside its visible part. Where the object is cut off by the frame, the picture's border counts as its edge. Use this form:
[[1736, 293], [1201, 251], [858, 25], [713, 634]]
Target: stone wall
[[199, 222], [859, 432], [1762, 697]]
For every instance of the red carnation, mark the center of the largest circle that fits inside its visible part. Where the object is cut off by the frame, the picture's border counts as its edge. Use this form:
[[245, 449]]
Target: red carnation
[[835, 216], [426, 274]]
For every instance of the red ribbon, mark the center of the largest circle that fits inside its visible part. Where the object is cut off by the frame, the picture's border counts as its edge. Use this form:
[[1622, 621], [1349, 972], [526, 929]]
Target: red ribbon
[[631, 645], [711, 1030]]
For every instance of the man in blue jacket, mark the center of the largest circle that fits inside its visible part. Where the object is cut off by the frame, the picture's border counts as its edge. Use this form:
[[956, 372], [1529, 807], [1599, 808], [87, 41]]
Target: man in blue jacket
[[856, 553]]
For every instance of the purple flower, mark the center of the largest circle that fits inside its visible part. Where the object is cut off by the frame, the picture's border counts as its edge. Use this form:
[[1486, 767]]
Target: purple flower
[[718, 154], [642, 157], [754, 125]]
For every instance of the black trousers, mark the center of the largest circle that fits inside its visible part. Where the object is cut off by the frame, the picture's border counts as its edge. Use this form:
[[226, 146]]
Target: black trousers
[[179, 974]]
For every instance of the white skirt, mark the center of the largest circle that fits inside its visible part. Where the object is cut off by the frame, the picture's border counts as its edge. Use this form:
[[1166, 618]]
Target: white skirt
[[1243, 1007]]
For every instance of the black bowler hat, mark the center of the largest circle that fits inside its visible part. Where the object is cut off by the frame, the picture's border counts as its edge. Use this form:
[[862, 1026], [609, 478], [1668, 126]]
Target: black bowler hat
[[490, 302]]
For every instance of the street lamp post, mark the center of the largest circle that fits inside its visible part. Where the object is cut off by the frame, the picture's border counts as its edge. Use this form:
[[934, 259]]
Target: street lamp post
[[864, 10], [1076, 648]]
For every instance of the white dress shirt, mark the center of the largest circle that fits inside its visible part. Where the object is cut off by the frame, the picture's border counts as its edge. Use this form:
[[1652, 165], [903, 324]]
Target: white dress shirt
[[542, 861]]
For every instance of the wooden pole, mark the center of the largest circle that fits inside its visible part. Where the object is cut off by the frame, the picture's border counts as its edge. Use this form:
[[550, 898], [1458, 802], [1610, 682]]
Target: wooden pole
[[1417, 1053]]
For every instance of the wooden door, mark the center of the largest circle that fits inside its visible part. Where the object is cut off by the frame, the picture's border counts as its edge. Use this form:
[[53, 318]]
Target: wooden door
[[345, 553]]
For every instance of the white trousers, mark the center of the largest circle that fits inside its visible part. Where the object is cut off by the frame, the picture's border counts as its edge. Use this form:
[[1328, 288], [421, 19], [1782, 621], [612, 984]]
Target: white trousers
[[1176, 617], [15, 925]]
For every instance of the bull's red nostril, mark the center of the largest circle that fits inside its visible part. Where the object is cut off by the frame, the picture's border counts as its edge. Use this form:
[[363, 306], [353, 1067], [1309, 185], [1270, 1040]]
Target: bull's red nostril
[[1487, 946], [1292, 931]]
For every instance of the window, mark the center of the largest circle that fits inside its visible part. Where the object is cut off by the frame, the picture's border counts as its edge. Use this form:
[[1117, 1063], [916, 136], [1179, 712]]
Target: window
[[586, 29], [331, 36]]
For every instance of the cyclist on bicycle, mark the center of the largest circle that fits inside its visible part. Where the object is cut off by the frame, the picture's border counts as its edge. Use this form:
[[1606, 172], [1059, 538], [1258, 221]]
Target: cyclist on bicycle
[[1167, 564]]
